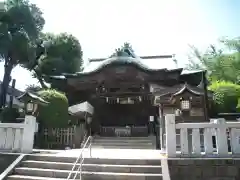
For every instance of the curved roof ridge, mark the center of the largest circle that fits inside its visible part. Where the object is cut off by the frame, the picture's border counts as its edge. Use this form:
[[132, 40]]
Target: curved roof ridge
[[118, 59], [187, 87]]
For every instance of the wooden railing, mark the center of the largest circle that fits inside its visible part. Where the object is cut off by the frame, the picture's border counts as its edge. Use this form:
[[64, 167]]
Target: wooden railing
[[60, 138]]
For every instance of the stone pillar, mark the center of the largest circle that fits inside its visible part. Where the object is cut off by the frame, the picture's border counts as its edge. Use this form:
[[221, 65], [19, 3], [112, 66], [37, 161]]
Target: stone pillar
[[170, 135], [221, 135], [28, 134], [88, 125], [151, 126], [79, 135], [161, 128]]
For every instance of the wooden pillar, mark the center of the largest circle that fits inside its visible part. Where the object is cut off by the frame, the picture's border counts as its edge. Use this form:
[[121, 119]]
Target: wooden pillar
[[206, 103], [162, 127]]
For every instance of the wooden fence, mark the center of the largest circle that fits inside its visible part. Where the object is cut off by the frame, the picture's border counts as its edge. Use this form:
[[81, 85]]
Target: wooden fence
[[214, 138], [60, 138]]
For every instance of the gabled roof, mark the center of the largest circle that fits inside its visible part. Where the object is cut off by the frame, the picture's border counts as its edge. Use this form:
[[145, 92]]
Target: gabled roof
[[170, 93], [179, 89], [125, 55], [97, 65], [27, 96], [194, 90]]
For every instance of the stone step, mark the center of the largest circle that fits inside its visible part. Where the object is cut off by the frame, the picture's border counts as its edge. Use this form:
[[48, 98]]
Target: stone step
[[124, 142], [21, 177], [54, 173], [124, 145], [116, 146], [124, 139], [94, 167], [54, 158]]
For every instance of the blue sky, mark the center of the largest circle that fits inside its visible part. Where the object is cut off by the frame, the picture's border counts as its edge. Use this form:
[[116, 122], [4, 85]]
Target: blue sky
[[153, 27]]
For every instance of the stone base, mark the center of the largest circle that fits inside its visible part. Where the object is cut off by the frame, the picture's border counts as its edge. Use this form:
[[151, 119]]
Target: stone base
[[204, 169]]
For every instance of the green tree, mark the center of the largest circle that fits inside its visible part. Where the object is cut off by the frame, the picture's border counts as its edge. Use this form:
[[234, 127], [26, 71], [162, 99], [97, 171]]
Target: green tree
[[58, 54], [33, 88], [226, 96], [55, 114], [19, 28], [222, 64]]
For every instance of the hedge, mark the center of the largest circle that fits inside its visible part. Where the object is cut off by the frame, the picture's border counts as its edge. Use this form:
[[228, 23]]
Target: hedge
[[55, 114]]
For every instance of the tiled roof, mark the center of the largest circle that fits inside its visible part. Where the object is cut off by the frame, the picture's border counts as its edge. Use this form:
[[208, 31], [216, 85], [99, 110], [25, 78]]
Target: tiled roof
[[34, 97], [180, 88], [146, 64]]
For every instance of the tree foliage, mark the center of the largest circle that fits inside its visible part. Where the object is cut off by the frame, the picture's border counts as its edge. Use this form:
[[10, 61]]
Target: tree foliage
[[33, 88], [55, 114], [9, 115], [58, 54], [222, 64], [226, 96], [19, 28]]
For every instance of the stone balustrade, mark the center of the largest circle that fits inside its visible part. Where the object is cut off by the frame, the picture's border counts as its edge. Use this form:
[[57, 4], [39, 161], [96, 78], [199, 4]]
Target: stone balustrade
[[18, 137], [216, 138]]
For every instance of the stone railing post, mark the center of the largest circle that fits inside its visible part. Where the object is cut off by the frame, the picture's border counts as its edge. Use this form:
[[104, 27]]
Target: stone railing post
[[170, 135], [28, 134], [221, 137]]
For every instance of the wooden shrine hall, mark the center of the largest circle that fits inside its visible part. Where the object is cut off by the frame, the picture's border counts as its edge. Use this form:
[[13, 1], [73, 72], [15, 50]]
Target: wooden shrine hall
[[130, 98]]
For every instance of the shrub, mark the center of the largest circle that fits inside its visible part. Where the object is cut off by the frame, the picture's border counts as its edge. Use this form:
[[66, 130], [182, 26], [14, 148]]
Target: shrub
[[226, 96], [55, 114], [9, 115]]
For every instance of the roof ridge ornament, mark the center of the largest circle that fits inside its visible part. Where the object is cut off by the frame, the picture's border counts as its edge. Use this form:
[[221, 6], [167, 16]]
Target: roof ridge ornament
[[125, 51]]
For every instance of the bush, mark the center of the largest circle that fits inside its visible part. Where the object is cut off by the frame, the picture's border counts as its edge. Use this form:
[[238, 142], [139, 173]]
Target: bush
[[55, 114], [9, 115], [226, 96]]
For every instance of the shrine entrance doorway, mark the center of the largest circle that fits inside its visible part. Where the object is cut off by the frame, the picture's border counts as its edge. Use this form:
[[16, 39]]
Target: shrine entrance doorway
[[127, 120]]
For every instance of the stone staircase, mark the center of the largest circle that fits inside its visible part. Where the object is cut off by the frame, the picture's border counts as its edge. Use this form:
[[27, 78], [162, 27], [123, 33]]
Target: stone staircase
[[125, 142], [43, 167]]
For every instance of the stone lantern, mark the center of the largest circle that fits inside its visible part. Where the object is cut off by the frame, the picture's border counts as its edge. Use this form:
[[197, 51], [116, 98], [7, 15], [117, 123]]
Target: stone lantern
[[31, 102]]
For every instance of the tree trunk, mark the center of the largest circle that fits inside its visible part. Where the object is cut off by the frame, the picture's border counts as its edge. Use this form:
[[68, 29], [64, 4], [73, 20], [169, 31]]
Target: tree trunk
[[40, 79], [42, 82], [6, 80]]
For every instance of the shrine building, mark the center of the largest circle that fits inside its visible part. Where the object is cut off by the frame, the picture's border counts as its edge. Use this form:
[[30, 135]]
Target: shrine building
[[127, 92]]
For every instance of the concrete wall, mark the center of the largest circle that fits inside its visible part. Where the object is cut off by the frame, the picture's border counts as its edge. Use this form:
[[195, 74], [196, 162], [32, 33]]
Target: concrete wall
[[204, 169], [6, 160]]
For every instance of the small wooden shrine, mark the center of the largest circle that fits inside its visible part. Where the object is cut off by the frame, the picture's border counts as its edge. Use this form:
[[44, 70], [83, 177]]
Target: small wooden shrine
[[125, 92]]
